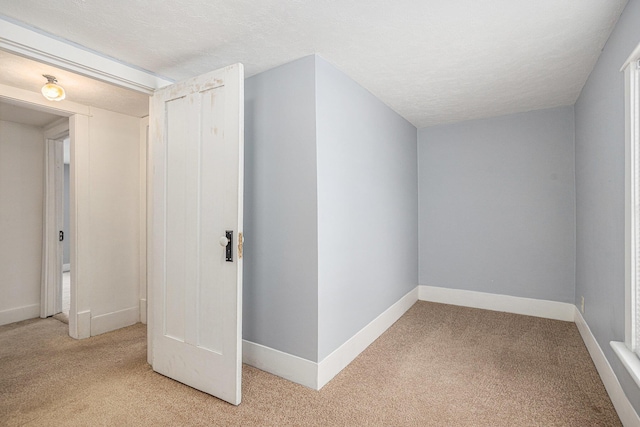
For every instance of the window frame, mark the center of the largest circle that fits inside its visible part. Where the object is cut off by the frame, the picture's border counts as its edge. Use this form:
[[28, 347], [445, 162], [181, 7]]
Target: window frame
[[629, 350], [632, 198]]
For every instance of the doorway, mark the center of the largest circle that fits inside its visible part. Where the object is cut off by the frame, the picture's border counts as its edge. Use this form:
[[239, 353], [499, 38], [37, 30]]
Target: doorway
[[59, 252], [107, 211], [53, 231], [106, 234], [62, 282], [22, 147], [66, 226]]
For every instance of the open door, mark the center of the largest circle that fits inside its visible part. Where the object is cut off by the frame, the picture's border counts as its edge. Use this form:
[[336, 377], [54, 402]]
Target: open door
[[52, 235], [197, 143]]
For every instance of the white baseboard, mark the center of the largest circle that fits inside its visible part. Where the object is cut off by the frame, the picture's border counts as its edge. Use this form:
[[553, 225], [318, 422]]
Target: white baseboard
[[505, 303], [285, 365], [17, 314], [80, 324], [143, 310], [625, 410], [316, 375], [115, 320], [546, 309], [343, 355]]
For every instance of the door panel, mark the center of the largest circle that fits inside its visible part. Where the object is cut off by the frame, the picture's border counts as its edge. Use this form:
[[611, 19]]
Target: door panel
[[53, 250], [197, 140]]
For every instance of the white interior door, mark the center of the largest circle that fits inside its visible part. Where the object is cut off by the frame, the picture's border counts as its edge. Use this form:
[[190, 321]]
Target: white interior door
[[197, 139], [52, 249]]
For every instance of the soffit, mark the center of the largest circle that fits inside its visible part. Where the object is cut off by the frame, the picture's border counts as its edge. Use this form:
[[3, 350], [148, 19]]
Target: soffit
[[27, 74], [11, 112]]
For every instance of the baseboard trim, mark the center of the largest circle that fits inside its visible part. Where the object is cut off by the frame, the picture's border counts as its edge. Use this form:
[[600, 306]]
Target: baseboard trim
[[83, 325], [115, 320], [505, 303], [317, 375], [17, 314], [285, 365], [623, 406], [331, 365]]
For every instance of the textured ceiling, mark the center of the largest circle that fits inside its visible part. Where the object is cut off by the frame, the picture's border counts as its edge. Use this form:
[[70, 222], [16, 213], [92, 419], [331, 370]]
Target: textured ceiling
[[27, 74], [432, 61]]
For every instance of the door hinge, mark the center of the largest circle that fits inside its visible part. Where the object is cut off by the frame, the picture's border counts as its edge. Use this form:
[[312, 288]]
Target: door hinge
[[61, 236]]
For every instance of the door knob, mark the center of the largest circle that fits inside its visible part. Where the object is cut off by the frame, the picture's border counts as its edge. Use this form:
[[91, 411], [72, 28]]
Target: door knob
[[223, 241]]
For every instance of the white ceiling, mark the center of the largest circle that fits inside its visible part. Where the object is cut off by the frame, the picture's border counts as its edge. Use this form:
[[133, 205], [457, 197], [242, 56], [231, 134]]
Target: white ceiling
[[432, 61]]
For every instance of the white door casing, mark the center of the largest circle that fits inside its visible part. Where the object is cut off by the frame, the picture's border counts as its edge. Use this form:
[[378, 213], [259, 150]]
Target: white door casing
[[197, 140]]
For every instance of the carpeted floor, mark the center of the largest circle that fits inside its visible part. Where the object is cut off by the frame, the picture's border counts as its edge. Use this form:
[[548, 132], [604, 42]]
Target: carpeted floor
[[439, 365]]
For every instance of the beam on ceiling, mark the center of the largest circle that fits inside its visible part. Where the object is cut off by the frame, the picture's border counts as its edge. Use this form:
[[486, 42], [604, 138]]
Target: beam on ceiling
[[47, 49], [35, 101]]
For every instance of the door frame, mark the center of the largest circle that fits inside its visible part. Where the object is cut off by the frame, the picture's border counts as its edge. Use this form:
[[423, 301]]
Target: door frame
[[47, 49], [78, 128]]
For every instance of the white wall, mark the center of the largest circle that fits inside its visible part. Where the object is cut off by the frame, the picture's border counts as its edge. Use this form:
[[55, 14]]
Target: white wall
[[497, 205], [21, 210], [367, 207], [106, 169]]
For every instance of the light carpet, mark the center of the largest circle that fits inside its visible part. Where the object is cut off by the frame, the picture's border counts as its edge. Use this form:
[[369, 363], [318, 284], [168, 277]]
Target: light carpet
[[439, 365]]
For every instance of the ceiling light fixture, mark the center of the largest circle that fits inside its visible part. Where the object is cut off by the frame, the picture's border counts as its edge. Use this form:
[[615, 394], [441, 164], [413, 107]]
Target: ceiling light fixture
[[51, 90]]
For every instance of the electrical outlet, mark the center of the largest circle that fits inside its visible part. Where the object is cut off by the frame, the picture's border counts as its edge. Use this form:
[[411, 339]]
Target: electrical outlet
[[582, 305]]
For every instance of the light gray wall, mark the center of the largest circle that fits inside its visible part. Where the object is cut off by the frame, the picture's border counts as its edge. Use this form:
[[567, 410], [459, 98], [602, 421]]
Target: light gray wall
[[600, 143], [497, 205], [280, 219], [21, 216], [367, 207]]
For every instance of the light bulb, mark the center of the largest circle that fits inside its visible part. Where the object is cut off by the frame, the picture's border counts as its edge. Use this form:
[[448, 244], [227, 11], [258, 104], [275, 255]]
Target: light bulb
[[51, 90]]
